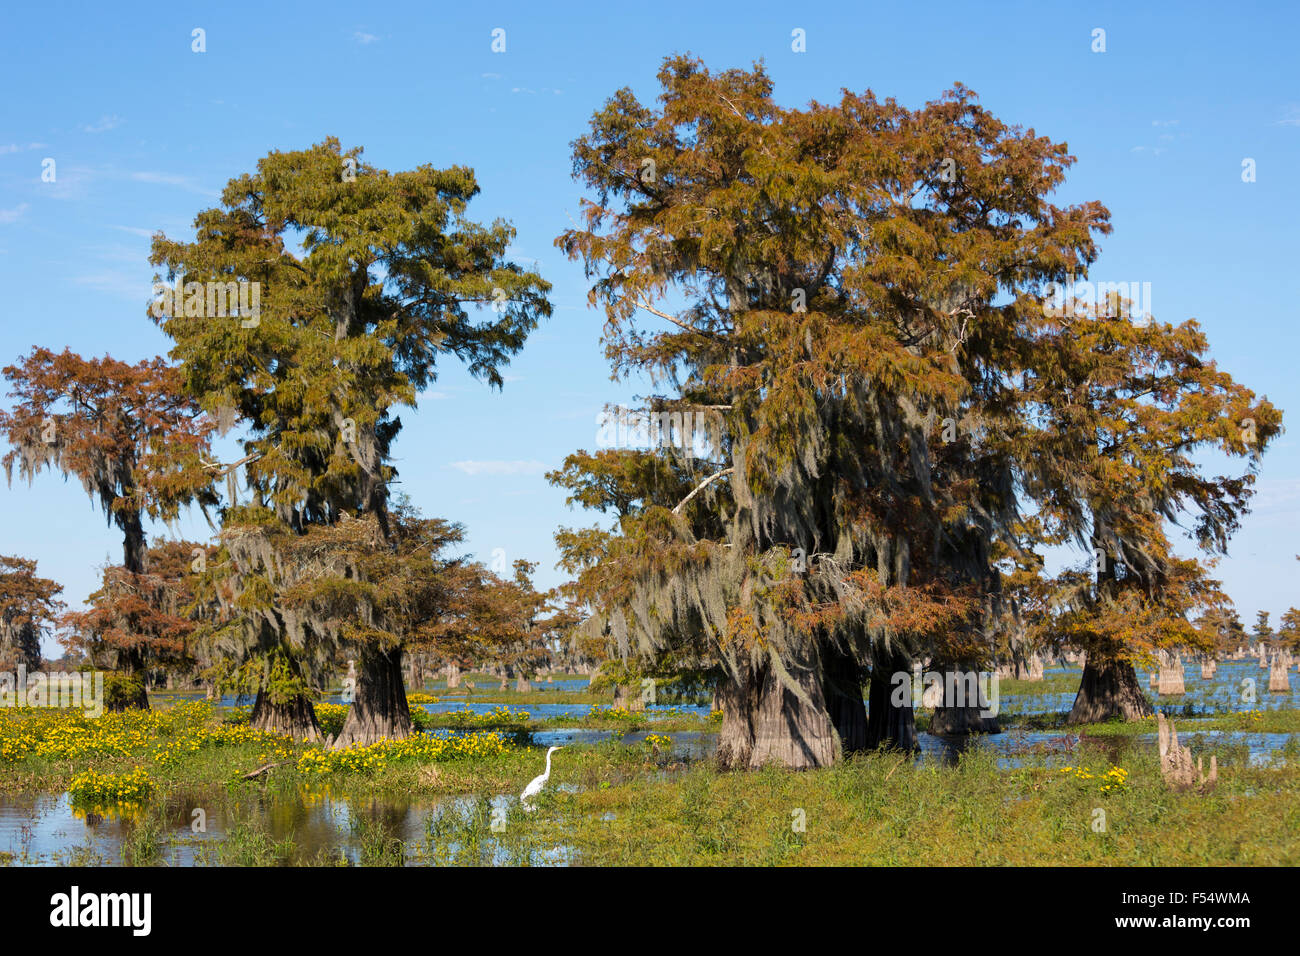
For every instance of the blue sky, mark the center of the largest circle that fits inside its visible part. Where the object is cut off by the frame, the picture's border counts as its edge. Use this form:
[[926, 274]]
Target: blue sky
[[145, 132]]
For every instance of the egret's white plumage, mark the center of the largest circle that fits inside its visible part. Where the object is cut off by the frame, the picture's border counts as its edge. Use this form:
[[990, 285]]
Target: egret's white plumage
[[535, 787]]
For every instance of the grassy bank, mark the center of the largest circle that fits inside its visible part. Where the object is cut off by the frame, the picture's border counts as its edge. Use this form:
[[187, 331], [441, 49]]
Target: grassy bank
[[883, 809], [635, 804]]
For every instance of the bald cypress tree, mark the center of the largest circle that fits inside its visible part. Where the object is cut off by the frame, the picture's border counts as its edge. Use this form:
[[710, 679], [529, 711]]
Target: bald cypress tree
[[149, 612], [857, 291], [131, 436], [365, 280], [1117, 409], [28, 605], [838, 282]]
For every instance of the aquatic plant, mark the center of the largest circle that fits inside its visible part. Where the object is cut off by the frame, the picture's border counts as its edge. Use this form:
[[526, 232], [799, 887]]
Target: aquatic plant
[[367, 759], [103, 790]]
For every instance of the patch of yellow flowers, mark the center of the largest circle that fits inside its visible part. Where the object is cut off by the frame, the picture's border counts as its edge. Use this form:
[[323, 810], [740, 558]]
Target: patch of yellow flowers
[[658, 740], [498, 715], [167, 736], [331, 717], [1113, 780], [173, 751], [170, 737], [423, 747], [608, 712], [129, 790], [70, 734]]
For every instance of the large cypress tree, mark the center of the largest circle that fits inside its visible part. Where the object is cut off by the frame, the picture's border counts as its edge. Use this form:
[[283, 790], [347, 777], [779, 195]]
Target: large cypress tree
[[850, 277], [135, 441], [366, 279], [1119, 410], [857, 291], [29, 605]]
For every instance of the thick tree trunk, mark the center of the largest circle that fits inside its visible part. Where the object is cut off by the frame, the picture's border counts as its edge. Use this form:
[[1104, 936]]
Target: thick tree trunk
[[1278, 681], [135, 547], [453, 675], [848, 711], [135, 544], [793, 733], [737, 700], [629, 698], [890, 721], [960, 712], [766, 722], [294, 718], [379, 710], [131, 695], [956, 721], [1108, 689]]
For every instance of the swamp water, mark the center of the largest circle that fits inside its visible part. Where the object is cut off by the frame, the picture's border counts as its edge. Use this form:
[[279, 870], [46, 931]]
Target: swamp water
[[275, 826]]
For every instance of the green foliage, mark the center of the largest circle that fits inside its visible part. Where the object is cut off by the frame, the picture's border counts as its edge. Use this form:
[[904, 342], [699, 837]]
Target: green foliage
[[122, 690], [274, 675], [351, 326], [886, 394], [364, 283]]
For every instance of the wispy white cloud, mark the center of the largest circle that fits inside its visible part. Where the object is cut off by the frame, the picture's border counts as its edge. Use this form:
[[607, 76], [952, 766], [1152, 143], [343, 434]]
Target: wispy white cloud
[[103, 124], [72, 182], [172, 179], [1276, 494], [115, 283], [365, 39], [117, 252], [136, 231], [1292, 117], [13, 215], [499, 467], [1164, 122]]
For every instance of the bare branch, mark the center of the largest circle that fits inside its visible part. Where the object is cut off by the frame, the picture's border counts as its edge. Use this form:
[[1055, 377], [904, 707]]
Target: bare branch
[[684, 326], [700, 487], [220, 471]]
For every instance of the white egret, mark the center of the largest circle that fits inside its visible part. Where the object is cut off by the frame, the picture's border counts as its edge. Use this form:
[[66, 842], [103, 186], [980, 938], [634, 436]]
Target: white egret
[[534, 788]]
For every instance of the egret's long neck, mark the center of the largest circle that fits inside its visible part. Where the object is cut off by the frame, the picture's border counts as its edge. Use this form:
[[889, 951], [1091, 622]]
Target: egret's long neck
[[548, 763]]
